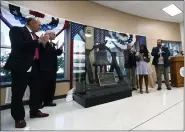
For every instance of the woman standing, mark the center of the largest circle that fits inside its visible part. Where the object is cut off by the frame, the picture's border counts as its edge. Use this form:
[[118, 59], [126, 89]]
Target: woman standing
[[143, 69]]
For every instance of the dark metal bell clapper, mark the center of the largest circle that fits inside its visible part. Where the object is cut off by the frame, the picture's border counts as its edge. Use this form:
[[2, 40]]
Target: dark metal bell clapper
[[101, 58]]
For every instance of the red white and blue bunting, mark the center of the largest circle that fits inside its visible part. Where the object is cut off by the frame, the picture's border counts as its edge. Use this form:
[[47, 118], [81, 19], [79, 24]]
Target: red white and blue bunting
[[13, 15]]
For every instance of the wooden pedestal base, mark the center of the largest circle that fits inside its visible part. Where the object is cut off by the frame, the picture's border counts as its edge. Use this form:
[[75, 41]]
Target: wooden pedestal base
[[176, 79]]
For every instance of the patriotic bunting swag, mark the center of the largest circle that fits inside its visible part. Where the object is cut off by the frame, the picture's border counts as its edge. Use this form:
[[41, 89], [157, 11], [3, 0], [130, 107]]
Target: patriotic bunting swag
[[13, 15], [101, 35]]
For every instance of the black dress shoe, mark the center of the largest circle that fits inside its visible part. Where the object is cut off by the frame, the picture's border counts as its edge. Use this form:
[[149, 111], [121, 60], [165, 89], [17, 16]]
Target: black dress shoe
[[141, 91], [50, 104], [169, 88], [147, 91], [134, 89], [159, 88], [38, 114], [20, 124]]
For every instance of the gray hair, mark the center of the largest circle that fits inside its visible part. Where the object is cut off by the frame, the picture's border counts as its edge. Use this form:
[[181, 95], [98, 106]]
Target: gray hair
[[50, 32]]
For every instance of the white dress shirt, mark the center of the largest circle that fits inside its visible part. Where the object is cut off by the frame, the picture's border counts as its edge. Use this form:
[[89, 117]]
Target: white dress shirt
[[161, 60]]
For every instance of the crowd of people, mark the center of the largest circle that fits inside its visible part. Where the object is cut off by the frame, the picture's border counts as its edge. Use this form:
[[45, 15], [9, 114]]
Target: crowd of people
[[33, 63], [137, 64]]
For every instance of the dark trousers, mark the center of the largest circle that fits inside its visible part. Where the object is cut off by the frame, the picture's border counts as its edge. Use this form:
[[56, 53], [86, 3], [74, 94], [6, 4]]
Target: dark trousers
[[48, 85], [131, 76], [20, 80]]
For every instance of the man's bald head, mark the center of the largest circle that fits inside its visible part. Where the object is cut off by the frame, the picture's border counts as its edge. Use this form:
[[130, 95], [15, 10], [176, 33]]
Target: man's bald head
[[51, 34], [33, 24]]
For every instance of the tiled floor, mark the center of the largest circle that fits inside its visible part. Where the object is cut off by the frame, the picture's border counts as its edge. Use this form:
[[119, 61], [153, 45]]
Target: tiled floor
[[159, 110]]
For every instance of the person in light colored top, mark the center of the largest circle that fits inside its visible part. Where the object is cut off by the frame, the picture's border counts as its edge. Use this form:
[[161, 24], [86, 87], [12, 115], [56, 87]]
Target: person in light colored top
[[161, 62]]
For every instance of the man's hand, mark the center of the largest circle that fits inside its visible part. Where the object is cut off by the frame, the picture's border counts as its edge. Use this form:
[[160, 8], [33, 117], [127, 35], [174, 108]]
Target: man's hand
[[61, 47], [137, 54], [160, 52], [163, 53], [133, 51], [43, 39]]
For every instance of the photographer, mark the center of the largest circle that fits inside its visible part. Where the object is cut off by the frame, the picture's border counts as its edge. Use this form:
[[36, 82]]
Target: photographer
[[143, 69], [48, 68], [130, 66]]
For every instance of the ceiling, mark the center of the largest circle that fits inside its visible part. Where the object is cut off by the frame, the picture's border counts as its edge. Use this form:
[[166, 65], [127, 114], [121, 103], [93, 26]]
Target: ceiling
[[152, 9]]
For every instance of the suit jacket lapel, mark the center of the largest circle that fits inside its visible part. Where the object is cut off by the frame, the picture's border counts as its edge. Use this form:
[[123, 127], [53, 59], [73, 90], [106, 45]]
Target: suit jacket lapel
[[163, 48], [157, 49], [27, 33]]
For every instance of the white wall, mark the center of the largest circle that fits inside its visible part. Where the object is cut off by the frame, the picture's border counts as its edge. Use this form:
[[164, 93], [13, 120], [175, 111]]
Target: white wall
[[182, 34]]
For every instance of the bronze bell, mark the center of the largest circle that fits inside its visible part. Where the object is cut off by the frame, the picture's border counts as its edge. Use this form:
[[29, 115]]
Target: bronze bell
[[101, 58]]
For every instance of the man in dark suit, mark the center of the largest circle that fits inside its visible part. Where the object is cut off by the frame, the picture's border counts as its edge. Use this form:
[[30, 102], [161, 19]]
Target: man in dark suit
[[161, 63], [23, 63], [48, 67]]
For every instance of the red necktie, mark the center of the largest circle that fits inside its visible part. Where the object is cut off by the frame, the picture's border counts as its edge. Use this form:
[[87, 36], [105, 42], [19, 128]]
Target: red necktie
[[36, 49]]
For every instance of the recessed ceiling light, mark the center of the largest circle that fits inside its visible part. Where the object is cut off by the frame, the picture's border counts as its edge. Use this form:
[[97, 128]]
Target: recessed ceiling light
[[172, 10]]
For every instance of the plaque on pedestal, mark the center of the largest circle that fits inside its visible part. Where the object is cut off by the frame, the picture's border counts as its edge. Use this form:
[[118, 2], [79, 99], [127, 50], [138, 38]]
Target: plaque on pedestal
[[106, 78]]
